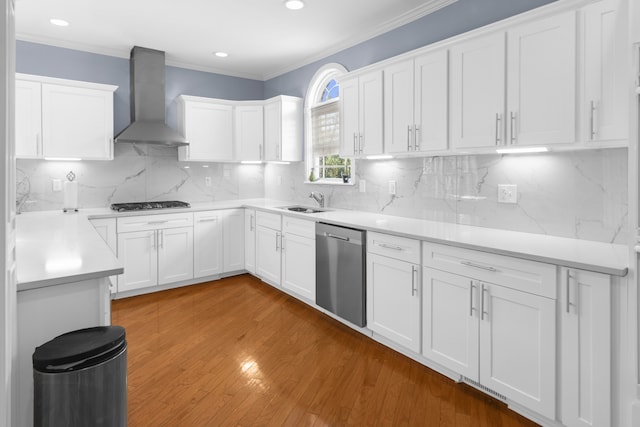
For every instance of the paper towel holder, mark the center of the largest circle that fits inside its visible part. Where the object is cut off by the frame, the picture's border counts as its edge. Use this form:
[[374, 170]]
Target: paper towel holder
[[71, 177]]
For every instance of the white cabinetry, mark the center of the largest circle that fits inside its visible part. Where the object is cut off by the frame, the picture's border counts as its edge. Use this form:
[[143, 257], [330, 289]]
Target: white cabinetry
[[268, 244], [361, 115], [299, 257], [540, 63], [585, 307], [283, 129], [106, 228], [208, 126], [250, 240], [492, 319], [207, 243], [249, 131], [604, 105], [416, 99], [233, 237], [76, 118], [28, 119], [393, 288], [155, 250]]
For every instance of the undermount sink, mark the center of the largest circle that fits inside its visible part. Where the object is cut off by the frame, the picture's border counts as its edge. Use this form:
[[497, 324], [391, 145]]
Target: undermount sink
[[303, 209]]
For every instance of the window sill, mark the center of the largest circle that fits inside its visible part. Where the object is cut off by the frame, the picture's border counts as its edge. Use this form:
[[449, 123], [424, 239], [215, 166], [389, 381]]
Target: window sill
[[329, 182]]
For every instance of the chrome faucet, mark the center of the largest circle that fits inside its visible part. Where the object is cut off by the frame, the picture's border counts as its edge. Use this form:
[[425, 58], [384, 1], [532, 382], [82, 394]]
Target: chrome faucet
[[318, 197]]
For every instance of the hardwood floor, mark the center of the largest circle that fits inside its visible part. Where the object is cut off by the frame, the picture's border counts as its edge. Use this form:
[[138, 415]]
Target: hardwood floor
[[236, 352]]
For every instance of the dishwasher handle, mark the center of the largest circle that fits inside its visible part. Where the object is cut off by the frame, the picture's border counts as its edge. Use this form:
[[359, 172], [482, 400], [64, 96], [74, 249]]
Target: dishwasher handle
[[335, 236]]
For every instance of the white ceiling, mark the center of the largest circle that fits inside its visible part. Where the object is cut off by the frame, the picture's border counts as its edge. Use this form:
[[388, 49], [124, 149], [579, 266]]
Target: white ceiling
[[262, 37]]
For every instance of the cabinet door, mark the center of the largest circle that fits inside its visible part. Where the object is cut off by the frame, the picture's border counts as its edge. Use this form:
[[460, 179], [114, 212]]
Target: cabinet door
[[585, 303], [77, 122], [250, 240], [299, 265], [371, 114], [175, 254], [393, 300], [541, 73], [207, 244], [138, 252], [518, 347], [268, 265], [450, 321], [478, 92], [349, 117], [209, 130], [249, 132], [398, 108], [605, 66], [233, 232], [431, 105], [273, 130], [28, 120]]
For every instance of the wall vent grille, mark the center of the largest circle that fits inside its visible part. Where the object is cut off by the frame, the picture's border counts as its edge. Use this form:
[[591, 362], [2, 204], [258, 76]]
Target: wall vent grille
[[484, 388]]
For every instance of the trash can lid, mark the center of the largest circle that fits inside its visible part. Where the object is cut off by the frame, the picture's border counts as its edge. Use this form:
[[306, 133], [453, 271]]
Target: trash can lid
[[78, 346]]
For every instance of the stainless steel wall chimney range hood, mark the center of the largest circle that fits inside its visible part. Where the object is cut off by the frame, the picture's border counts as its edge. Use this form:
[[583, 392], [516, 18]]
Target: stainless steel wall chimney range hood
[[147, 74]]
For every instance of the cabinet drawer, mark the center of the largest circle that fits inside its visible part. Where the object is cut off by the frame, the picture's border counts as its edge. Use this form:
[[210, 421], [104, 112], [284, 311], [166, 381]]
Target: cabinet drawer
[[299, 227], [400, 248], [154, 222], [268, 220], [207, 216], [528, 276]]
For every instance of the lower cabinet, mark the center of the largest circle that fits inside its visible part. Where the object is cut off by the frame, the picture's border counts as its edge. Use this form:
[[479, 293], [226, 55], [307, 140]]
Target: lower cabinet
[[250, 240], [155, 250], [268, 243], [233, 240], [299, 257], [585, 307], [393, 289], [218, 242]]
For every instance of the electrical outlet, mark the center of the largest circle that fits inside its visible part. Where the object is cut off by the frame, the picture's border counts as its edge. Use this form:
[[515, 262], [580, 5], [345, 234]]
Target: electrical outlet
[[207, 181], [392, 187], [56, 184], [507, 193], [362, 185]]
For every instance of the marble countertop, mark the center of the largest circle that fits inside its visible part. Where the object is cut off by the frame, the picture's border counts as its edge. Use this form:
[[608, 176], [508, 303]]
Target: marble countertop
[[53, 247]]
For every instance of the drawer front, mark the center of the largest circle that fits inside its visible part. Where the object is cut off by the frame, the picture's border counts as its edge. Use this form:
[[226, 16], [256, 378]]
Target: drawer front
[[528, 276], [299, 227], [400, 248], [268, 220], [207, 216], [154, 222]]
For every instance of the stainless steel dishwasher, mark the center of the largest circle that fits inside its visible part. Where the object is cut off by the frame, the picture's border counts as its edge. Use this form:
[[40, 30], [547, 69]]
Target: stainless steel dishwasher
[[341, 271]]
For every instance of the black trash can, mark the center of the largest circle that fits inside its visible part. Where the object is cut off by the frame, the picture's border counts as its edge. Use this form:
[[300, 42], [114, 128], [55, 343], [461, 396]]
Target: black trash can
[[80, 379]]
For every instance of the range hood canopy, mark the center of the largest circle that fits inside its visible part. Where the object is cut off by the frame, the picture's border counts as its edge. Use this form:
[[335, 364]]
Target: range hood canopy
[[147, 73]]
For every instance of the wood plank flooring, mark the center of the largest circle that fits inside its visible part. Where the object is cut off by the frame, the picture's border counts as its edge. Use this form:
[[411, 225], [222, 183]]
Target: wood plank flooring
[[237, 352]]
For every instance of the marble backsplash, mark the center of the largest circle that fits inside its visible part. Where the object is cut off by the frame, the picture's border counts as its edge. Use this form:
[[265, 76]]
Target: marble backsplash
[[580, 194]]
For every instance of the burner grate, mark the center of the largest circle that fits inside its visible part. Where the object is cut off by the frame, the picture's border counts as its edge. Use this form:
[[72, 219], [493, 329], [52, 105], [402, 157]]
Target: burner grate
[[139, 206]]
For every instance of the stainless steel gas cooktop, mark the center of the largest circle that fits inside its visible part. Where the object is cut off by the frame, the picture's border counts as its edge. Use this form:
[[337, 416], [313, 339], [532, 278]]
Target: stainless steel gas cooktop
[[138, 206]]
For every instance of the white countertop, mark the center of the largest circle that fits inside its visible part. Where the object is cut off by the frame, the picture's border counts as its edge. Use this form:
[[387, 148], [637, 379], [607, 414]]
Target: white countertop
[[54, 248]]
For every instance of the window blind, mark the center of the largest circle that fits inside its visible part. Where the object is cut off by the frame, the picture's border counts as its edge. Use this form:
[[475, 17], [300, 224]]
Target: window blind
[[325, 122]]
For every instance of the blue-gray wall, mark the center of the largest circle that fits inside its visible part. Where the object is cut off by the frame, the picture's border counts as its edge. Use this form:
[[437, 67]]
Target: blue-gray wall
[[460, 17]]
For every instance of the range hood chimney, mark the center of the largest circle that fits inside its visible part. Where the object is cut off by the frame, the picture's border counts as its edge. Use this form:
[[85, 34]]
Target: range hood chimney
[[148, 101]]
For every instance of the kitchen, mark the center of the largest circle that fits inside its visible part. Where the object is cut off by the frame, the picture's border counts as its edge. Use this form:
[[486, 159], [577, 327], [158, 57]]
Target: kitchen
[[576, 194]]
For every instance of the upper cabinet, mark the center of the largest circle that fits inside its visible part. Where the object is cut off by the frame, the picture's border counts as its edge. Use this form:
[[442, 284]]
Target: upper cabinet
[[283, 129], [208, 126], [361, 120], [416, 104], [533, 67], [58, 118], [249, 132], [604, 104]]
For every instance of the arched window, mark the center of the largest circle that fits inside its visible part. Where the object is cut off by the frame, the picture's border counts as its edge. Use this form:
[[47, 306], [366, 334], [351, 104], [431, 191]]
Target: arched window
[[322, 124]]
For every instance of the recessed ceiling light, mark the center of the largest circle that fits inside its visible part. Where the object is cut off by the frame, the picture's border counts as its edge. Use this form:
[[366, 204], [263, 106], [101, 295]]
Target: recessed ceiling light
[[59, 22], [222, 54], [294, 4]]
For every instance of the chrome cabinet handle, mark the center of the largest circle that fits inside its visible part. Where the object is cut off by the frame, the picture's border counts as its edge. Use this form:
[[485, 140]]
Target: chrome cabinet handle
[[251, 219], [154, 243], [360, 144], [208, 219], [355, 136], [592, 121], [471, 288], [157, 222], [335, 236], [277, 247], [161, 233], [498, 129], [408, 137], [416, 140], [568, 290], [482, 310], [413, 280], [513, 127], [482, 267], [387, 246]]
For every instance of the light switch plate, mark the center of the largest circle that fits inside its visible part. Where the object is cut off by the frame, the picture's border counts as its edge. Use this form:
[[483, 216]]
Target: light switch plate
[[56, 184], [362, 185], [507, 193], [392, 187], [207, 181]]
